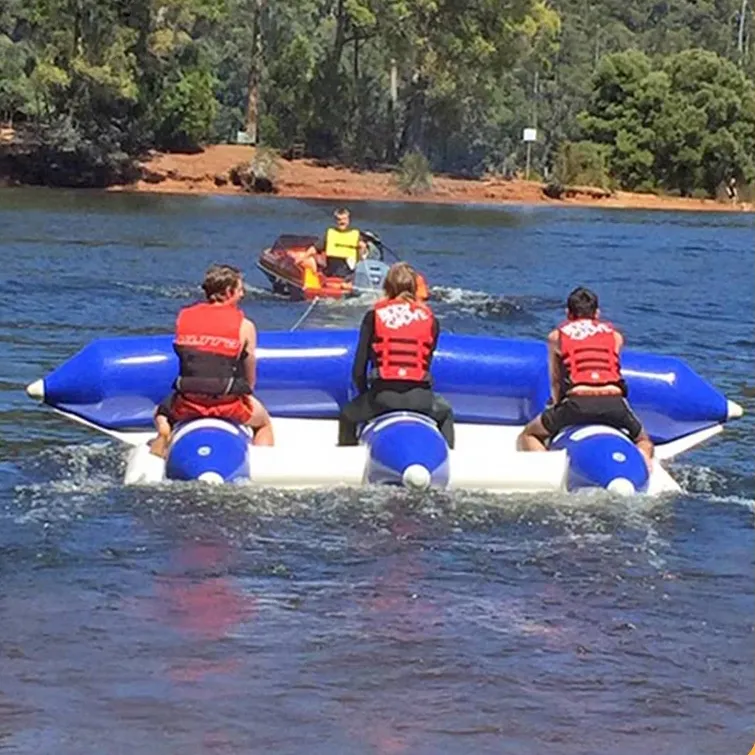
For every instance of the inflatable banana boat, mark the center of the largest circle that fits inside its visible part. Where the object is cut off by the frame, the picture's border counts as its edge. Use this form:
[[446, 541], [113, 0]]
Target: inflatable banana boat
[[495, 386]]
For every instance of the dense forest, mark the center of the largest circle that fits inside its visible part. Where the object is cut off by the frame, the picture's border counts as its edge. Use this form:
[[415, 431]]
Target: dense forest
[[642, 94]]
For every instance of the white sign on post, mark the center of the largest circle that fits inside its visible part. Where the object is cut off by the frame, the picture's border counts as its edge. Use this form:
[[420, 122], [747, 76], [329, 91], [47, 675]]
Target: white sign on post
[[529, 136]]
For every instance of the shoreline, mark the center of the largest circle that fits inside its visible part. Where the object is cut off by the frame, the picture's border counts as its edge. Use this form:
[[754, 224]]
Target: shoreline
[[206, 174], [619, 201]]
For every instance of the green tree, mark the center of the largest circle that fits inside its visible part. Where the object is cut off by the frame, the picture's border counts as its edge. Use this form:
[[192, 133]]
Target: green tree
[[689, 125], [621, 115], [706, 126], [185, 112]]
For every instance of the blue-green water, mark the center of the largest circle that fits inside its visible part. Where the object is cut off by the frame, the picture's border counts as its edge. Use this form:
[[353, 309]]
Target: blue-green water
[[175, 619]]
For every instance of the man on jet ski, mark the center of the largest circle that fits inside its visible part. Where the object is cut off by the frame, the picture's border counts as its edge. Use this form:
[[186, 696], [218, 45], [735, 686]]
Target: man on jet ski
[[215, 344], [585, 377], [344, 247]]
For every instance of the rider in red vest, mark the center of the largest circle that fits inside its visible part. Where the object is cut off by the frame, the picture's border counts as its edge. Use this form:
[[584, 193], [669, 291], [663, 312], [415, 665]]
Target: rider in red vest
[[215, 344], [398, 337], [585, 377]]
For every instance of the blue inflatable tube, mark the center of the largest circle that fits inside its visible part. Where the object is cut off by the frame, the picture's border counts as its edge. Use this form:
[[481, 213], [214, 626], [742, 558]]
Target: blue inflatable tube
[[405, 448], [209, 450], [116, 383], [601, 457]]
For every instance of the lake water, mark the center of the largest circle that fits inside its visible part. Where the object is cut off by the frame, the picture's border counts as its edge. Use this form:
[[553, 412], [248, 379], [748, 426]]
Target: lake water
[[177, 619]]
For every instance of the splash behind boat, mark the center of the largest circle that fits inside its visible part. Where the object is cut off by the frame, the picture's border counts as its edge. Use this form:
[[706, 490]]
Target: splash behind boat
[[495, 386]]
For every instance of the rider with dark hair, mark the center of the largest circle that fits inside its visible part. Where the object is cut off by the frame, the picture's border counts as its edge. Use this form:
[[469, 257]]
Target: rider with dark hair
[[585, 378]]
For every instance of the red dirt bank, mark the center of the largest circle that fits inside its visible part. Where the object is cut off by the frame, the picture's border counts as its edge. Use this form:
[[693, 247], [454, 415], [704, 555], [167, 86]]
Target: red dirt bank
[[196, 174]]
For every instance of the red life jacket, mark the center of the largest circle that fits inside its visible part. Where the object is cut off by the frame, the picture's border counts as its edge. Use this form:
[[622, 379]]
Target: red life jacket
[[588, 353], [403, 340], [210, 351]]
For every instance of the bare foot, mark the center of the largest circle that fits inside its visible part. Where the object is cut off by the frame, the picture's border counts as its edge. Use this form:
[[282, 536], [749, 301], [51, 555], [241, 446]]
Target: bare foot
[[159, 446]]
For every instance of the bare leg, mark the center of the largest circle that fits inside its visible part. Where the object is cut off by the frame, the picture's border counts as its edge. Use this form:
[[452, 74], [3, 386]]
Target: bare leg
[[261, 424], [647, 449], [309, 262], [159, 446], [533, 437], [307, 259]]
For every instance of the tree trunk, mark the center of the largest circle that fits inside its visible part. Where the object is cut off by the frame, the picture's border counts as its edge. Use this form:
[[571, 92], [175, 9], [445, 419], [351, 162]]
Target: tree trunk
[[356, 60], [741, 34], [412, 138], [391, 152], [329, 115], [76, 34], [253, 91], [340, 36]]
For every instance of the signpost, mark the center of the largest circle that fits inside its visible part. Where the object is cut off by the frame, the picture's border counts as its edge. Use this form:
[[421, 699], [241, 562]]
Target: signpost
[[529, 135]]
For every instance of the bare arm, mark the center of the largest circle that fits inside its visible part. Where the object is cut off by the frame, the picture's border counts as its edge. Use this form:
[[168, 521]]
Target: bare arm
[[248, 335], [318, 247], [554, 366], [619, 339]]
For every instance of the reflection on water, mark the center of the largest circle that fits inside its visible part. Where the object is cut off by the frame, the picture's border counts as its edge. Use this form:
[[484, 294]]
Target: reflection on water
[[198, 598]]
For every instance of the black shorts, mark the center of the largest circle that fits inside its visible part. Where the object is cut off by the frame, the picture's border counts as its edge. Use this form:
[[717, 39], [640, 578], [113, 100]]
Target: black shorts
[[337, 267], [374, 403], [613, 411]]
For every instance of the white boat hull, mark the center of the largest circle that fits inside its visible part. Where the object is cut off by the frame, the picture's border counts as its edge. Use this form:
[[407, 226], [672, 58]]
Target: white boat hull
[[306, 456]]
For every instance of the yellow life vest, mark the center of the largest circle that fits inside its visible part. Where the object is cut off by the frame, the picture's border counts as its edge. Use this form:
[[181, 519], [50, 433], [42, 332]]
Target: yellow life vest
[[311, 279], [342, 244]]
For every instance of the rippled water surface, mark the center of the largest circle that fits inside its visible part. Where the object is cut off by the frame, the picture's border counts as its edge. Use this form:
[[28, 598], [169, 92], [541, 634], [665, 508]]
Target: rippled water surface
[[174, 619]]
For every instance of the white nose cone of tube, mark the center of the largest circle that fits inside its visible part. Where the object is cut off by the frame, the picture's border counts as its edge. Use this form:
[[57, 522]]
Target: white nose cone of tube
[[36, 390], [211, 478], [416, 477], [621, 486], [733, 409]]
